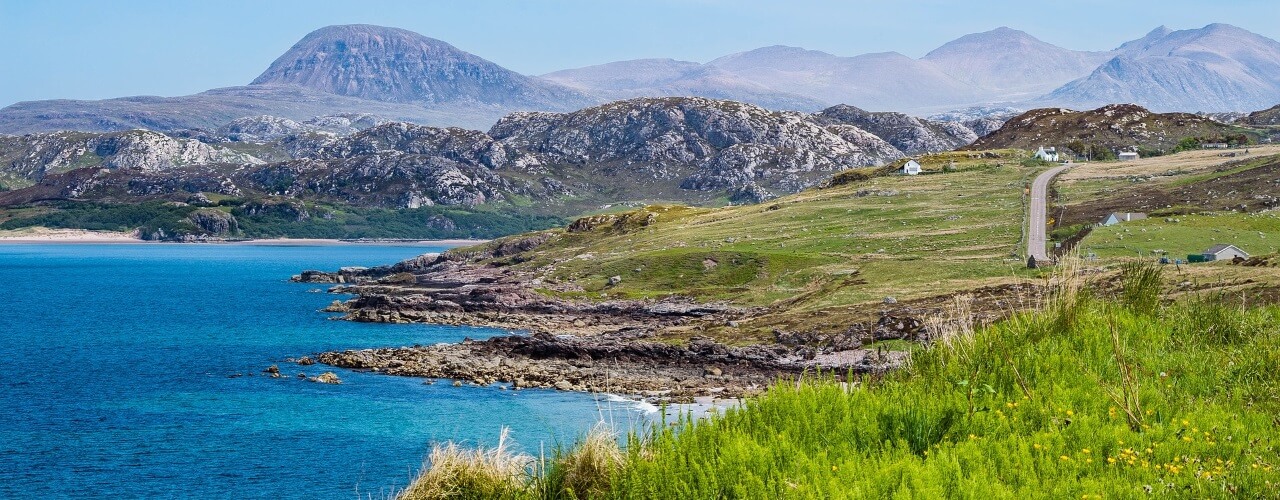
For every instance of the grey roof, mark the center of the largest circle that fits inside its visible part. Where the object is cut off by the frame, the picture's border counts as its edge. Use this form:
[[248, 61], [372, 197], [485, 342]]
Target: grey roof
[[1219, 248]]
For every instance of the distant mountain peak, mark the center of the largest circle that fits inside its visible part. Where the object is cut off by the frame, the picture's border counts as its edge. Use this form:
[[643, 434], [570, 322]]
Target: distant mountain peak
[[398, 65], [1009, 59]]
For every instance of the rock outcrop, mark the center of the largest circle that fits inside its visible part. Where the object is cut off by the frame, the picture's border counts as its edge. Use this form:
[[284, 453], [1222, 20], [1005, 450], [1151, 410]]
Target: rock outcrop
[[34, 156], [1114, 126], [911, 135], [688, 149]]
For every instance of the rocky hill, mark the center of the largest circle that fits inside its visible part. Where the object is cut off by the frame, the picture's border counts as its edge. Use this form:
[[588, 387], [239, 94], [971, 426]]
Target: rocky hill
[[29, 158], [1113, 127], [909, 134], [1269, 117], [687, 149]]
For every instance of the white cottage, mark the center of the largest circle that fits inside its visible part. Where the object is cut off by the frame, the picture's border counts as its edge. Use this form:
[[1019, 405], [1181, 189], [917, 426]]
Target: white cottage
[[1118, 217], [1128, 155], [1224, 252], [912, 167], [1050, 154]]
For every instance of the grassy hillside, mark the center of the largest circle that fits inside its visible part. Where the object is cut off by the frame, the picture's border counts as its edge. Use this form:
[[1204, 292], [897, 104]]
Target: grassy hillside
[[1090, 397], [1257, 234], [810, 255]]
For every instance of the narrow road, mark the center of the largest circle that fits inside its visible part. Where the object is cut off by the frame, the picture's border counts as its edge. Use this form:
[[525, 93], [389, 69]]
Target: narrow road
[[1039, 198]]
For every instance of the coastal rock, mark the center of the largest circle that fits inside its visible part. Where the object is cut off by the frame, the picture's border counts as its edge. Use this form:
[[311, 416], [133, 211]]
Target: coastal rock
[[326, 378], [610, 362]]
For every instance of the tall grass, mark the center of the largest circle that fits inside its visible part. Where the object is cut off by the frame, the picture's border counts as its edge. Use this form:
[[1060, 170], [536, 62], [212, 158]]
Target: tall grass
[[456, 472], [1089, 397]]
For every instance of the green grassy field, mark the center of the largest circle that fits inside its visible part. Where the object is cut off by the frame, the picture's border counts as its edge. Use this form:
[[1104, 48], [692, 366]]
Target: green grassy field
[[1090, 397], [1255, 233], [856, 243]]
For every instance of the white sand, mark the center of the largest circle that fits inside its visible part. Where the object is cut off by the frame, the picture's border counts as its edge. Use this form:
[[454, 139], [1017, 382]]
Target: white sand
[[46, 235]]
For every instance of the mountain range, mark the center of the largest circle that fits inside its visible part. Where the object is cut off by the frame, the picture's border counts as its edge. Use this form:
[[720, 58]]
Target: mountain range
[[398, 75]]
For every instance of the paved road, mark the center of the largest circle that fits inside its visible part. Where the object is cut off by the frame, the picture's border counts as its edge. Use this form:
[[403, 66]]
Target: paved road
[[1039, 197]]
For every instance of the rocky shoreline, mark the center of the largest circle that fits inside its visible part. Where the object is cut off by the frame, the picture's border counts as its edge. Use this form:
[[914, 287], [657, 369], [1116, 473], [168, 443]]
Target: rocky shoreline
[[618, 362], [614, 346]]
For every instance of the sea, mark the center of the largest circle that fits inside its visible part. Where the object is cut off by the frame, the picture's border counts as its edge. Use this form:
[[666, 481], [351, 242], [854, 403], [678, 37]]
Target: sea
[[136, 371]]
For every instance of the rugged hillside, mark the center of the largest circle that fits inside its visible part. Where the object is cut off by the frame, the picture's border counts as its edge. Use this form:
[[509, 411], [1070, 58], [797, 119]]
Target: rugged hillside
[[1113, 127], [26, 159], [701, 144], [1215, 68], [982, 120], [692, 150], [1013, 61], [390, 64], [267, 128], [909, 134], [1266, 118]]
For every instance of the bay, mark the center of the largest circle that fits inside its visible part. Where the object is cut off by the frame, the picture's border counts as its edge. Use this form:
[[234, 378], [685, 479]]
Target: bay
[[136, 371]]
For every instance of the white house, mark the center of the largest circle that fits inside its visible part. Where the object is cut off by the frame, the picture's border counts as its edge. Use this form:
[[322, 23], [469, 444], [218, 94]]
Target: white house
[[1050, 154], [1224, 252], [911, 168], [1128, 155], [1118, 217]]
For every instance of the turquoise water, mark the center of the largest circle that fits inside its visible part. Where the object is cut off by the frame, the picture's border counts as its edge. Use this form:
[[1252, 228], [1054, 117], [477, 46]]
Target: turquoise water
[[120, 379]]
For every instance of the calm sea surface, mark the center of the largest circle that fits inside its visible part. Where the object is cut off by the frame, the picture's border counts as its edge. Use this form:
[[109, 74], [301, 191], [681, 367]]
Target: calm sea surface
[[120, 379]]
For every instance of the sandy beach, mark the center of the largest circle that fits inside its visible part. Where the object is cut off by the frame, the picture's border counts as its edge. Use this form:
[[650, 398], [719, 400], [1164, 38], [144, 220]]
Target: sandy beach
[[46, 235]]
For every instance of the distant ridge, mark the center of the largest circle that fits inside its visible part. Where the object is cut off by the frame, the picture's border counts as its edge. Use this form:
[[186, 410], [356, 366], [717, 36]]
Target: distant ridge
[[396, 74], [1215, 68]]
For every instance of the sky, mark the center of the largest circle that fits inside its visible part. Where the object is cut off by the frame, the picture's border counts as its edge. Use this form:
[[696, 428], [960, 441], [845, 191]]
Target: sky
[[101, 49]]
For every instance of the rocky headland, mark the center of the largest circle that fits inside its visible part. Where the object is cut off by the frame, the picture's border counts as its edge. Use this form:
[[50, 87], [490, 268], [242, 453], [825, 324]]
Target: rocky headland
[[616, 346]]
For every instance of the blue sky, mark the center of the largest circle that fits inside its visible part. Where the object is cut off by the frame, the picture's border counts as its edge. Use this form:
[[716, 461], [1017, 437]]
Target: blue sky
[[100, 49]]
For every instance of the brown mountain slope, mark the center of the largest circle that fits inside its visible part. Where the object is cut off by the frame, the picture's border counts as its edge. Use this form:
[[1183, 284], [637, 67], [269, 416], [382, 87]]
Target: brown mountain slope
[[1115, 127]]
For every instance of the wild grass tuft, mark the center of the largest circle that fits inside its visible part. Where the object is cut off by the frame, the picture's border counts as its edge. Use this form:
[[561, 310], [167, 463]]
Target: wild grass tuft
[[585, 470], [460, 473], [1140, 282]]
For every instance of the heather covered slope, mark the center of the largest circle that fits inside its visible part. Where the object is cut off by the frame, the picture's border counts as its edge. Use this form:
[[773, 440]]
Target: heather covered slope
[[1113, 127]]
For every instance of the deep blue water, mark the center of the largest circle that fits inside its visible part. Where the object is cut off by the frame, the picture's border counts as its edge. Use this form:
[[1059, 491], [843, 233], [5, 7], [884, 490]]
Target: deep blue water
[[118, 379]]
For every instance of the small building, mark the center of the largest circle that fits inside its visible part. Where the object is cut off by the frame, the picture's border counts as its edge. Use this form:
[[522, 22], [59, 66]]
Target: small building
[[1213, 145], [912, 167], [1118, 217], [1050, 154], [1128, 155], [1224, 252]]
